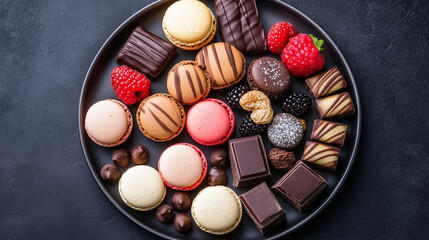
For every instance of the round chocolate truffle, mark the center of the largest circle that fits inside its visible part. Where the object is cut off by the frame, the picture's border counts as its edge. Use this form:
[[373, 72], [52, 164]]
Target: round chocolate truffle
[[216, 176], [219, 158], [110, 173], [139, 154], [269, 76], [281, 160], [164, 213], [285, 131], [121, 157], [182, 223], [181, 201]]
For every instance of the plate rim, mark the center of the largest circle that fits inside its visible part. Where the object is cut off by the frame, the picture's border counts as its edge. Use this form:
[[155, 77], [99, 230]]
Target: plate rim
[[282, 234]]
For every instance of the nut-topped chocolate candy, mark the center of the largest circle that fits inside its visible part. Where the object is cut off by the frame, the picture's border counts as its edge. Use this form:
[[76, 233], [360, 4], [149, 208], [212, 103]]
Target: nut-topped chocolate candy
[[325, 83]]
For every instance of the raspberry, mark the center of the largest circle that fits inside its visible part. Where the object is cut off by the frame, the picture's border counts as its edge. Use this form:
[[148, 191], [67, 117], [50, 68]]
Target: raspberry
[[233, 98], [130, 86], [249, 128], [296, 103], [302, 56], [279, 35]]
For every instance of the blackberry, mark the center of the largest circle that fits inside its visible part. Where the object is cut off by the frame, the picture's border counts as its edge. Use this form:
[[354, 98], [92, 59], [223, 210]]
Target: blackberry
[[296, 103], [249, 128], [233, 98]]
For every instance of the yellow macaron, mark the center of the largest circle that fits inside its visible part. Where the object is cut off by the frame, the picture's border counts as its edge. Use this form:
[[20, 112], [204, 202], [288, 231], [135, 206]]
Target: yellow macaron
[[189, 24]]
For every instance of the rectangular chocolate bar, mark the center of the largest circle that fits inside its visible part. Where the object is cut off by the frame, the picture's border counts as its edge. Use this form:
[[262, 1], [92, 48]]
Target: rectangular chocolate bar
[[325, 83], [262, 207], [329, 132], [321, 155], [301, 186], [335, 106], [146, 52], [240, 25], [249, 163]]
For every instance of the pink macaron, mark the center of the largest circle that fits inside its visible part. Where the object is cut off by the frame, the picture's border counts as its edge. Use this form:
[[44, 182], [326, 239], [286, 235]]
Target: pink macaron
[[210, 122]]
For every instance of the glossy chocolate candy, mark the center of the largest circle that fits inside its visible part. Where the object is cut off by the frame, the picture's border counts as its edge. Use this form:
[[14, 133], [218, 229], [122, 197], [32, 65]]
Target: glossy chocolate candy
[[325, 83]]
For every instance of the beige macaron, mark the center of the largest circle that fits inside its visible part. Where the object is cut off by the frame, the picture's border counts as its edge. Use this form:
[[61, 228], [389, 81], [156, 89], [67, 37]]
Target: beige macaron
[[217, 210], [189, 24], [142, 188], [108, 123]]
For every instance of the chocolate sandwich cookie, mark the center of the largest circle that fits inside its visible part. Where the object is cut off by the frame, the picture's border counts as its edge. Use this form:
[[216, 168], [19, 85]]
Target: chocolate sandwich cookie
[[321, 155], [269, 76], [224, 63], [329, 132], [325, 83], [240, 25], [285, 131], [160, 117], [335, 106], [146, 52], [188, 82]]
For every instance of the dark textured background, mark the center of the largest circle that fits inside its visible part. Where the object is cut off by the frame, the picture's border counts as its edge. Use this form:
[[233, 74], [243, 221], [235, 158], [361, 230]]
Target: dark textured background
[[48, 192]]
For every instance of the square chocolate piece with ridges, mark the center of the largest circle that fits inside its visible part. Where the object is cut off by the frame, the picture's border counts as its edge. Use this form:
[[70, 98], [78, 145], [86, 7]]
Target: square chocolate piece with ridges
[[249, 164], [321, 155], [335, 106], [146, 52], [329, 132], [262, 207], [301, 186], [325, 83], [240, 25]]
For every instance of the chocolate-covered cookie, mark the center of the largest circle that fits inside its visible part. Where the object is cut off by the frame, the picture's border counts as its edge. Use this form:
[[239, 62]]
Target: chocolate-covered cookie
[[269, 76], [285, 131], [281, 160]]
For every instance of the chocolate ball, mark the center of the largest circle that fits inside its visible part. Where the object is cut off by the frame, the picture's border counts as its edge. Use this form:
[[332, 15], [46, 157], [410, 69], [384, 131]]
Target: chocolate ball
[[110, 173], [219, 158], [121, 157], [139, 154], [182, 223], [181, 201], [164, 213], [216, 176], [281, 160]]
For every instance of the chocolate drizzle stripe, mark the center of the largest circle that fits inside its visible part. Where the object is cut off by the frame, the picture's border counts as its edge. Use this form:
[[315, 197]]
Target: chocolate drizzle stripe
[[200, 84], [245, 13], [331, 82], [208, 66], [165, 113], [161, 124], [216, 57], [177, 85], [335, 137], [312, 156], [191, 83], [231, 59], [339, 99], [202, 60], [142, 109], [327, 81]]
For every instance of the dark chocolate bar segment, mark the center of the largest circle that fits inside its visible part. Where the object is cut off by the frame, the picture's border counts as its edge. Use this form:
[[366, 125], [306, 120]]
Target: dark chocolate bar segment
[[325, 83], [249, 163], [240, 25], [321, 155], [329, 132], [262, 207], [301, 186], [146, 52], [335, 106]]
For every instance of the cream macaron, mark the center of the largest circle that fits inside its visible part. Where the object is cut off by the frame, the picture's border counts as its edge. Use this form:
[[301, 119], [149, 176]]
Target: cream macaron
[[189, 24], [108, 123], [142, 188], [182, 166], [217, 210]]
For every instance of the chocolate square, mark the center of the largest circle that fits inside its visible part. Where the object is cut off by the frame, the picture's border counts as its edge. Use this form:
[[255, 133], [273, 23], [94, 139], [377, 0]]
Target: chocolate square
[[301, 186], [249, 163], [146, 52], [262, 207]]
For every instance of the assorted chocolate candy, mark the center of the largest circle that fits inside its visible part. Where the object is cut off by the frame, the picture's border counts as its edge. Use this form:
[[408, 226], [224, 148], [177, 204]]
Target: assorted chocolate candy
[[217, 209]]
